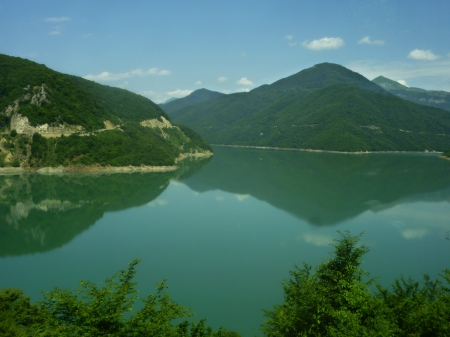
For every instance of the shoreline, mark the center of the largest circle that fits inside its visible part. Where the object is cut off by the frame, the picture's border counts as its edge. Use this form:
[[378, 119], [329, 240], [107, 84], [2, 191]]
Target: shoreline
[[322, 151], [96, 169]]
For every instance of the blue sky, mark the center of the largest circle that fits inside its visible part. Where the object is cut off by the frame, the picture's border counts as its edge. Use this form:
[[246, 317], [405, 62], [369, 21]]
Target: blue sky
[[162, 49]]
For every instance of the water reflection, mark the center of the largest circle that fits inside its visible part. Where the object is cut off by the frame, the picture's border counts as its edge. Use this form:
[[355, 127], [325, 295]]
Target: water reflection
[[326, 188], [42, 212]]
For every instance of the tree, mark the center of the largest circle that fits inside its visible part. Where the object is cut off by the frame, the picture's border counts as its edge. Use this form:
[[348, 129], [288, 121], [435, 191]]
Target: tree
[[100, 311], [332, 301]]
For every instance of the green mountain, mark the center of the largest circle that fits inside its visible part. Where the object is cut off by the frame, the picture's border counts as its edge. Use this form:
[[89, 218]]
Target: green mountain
[[325, 107], [49, 119], [437, 99], [197, 96]]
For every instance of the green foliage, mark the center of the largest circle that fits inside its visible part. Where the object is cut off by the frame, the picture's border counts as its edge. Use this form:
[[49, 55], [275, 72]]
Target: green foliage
[[135, 146], [333, 301], [100, 311], [18, 317], [336, 301], [13, 133], [420, 308]]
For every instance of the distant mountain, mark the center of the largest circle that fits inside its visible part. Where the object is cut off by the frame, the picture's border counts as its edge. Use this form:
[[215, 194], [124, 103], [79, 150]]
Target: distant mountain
[[197, 96], [170, 100], [53, 119], [438, 99], [325, 107]]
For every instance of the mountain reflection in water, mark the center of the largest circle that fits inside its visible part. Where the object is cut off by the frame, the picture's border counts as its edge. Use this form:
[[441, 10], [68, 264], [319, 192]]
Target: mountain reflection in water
[[326, 188], [42, 212]]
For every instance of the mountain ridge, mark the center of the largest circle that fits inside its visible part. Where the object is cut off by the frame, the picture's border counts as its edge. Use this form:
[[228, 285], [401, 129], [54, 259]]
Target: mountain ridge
[[325, 107], [434, 98]]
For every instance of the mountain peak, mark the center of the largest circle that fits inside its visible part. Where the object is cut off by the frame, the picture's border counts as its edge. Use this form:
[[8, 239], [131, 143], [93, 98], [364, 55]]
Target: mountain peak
[[323, 75]]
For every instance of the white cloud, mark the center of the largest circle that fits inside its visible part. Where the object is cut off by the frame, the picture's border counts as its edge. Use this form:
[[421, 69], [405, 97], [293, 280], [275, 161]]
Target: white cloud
[[316, 239], [222, 79], [425, 55], [324, 43], [240, 90], [368, 40], [244, 81], [107, 76], [292, 44], [198, 83], [288, 37], [55, 32], [61, 19], [178, 93], [403, 82]]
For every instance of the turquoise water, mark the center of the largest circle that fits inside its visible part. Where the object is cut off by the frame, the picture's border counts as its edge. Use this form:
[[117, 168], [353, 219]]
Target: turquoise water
[[226, 231]]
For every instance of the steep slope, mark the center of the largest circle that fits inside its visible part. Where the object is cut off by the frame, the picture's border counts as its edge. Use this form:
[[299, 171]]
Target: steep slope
[[326, 107], [437, 99], [198, 96], [50, 119]]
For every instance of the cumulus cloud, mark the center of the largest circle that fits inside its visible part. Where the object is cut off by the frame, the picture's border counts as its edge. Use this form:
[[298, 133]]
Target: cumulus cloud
[[368, 40], [179, 93], [403, 82], [289, 37], [160, 97], [198, 83], [222, 79], [60, 19], [425, 55], [324, 43], [244, 81], [107, 76]]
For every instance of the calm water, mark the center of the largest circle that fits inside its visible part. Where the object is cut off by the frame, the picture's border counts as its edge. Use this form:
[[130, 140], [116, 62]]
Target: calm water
[[226, 231]]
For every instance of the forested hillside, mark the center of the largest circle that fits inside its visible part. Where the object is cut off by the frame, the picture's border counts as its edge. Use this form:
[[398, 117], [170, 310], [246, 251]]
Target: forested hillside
[[51, 119], [326, 107]]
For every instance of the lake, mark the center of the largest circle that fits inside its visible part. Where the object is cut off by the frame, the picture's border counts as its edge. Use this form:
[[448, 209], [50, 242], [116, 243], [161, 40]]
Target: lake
[[226, 231]]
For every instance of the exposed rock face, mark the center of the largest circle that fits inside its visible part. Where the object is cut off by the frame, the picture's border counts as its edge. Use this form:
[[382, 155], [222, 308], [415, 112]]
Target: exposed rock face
[[38, 95], [155, 123], [22, 125]]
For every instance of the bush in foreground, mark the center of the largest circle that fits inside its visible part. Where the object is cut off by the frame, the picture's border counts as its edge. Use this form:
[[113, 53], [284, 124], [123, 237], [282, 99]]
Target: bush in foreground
[[336, 301]]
